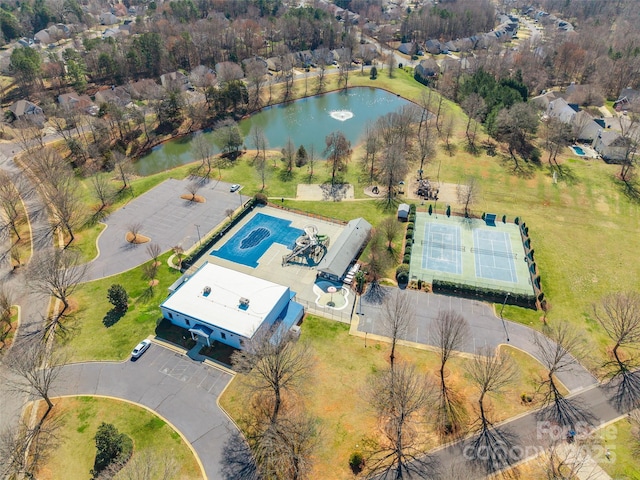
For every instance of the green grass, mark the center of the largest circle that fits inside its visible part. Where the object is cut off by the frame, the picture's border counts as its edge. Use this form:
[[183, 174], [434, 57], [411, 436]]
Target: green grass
[[337, 393], [79, 419], [624, 463], [90, 339]]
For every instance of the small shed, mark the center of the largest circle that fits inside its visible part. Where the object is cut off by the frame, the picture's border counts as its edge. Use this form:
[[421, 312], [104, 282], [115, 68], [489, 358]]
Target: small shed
[[403, 212]]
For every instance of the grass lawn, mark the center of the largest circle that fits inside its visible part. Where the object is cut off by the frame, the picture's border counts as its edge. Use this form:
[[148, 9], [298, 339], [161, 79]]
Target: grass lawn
[[7, 332], [624, 463], [337, 393], [79, 419], [90, 339]]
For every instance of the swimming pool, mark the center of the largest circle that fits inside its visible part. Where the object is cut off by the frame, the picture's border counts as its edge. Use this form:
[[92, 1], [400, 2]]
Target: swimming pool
[[255, 237], [578, 150]]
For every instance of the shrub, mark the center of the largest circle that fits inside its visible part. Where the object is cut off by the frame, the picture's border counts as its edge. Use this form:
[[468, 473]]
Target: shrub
[[356, 462], [118, 297], [412, 208], [411, 225], [402, 273], [526, 398], [487, 294], [261, 199], [112, 447], [407, 248], [409, 236], [412, 217], [407, 258]]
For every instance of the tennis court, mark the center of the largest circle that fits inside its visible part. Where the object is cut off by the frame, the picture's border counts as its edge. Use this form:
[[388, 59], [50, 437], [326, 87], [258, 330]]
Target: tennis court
[[469, 251], [441, 248], [255, 237], [493, 255]]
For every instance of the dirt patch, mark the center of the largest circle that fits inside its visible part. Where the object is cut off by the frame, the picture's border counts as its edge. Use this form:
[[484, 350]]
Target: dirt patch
[[154, 282], [447, 192], [136, 239], [325, 191], [192, 198]]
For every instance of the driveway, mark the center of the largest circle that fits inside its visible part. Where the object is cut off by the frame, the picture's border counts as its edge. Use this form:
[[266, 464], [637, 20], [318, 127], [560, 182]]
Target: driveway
[[485, 329], [166, 219], [181, 390]]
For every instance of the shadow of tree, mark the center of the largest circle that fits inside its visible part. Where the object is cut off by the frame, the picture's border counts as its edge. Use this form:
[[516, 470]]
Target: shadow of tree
[[237, 461], [626, 391], [112, 317]]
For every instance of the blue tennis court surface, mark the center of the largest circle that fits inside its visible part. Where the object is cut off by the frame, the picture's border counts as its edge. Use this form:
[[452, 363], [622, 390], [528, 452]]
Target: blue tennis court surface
[[441, 248], [254, 239], [493, 255]]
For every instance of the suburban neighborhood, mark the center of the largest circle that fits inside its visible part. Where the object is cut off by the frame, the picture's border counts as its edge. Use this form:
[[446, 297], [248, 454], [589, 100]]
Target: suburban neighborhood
[[319, 239]]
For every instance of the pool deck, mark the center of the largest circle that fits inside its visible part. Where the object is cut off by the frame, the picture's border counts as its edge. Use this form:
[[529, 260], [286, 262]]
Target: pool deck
[[300, 278]]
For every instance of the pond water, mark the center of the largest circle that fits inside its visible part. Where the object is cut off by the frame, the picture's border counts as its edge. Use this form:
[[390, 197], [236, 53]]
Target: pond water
[[307, 121]]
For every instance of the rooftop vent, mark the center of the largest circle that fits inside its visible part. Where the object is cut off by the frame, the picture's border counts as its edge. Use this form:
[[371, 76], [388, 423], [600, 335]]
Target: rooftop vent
[[206, 291], [244, 303]]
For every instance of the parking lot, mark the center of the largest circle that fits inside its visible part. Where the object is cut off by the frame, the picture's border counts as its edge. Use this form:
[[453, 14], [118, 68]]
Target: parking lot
[[183, 391]]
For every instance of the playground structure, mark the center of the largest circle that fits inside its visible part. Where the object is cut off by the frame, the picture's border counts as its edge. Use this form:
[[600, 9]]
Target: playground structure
[[310, 247]]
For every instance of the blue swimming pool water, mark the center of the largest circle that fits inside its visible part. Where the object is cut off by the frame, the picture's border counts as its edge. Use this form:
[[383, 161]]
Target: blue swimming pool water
[[578, 150], [254, 239]]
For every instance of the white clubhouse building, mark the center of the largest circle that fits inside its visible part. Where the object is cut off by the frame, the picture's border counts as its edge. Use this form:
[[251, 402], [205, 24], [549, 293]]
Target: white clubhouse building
[[216, 303]]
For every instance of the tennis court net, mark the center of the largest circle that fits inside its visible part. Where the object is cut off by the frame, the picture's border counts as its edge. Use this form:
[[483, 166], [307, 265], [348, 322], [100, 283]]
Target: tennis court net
[[494, 253], [444, 246]]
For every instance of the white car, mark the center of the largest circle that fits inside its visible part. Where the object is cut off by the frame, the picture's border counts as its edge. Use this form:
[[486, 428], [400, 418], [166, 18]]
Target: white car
[[140, 348], [234, 188]]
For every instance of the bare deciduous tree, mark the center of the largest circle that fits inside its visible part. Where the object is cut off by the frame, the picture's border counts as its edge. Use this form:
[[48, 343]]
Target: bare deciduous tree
[[619, 316], [390, 228], [468, 193], [450, 334], [338, 151], [474, 106], [11, 203], [275, 365], [122, 168], [193, 187], [24, 449], [556, 352], [491, 373], [397, 315], [134, 229], [33, 367], [283, 450], [203, 150], [102, 190], [56, 273], [6, 302], [148, 465], [154, 250], [289, 156], [399, 396], [377, 261], [392, 169]]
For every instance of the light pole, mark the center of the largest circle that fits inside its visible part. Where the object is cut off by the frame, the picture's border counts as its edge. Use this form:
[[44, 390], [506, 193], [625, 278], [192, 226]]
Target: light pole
[[198, 229], [504, 325]]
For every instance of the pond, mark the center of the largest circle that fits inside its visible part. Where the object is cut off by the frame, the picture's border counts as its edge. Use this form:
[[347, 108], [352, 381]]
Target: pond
[[307, 121]]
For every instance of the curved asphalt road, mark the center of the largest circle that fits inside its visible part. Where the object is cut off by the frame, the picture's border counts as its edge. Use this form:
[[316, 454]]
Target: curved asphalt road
[[184, 392]]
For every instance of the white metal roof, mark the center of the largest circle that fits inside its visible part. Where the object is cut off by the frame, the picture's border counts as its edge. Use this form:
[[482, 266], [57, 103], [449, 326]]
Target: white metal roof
[[221, 307]]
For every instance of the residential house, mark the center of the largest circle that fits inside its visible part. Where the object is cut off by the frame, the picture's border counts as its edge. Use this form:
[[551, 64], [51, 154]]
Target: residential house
[[177, 80], [117, 96], [611, 146], [427, 70], [432, 46], [560, 109], [110, 33], [629, 99], [108, 18], [409, 48], [42, 37], [78, 103], [144, 89], [203, 77], [220, 304], [274, 64], [26, 110]]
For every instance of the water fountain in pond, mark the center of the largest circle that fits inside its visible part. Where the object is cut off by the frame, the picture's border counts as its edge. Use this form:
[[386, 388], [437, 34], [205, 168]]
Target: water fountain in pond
[[342, 115]]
